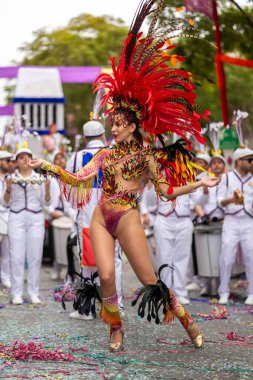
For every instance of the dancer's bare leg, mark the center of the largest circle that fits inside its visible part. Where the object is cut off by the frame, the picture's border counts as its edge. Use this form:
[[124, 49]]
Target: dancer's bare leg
[[103, 248], [133, 242], [132, 239]]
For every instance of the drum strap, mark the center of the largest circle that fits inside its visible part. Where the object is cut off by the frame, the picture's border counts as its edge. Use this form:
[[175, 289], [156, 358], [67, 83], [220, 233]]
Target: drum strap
[[74, 168], [87, 157]]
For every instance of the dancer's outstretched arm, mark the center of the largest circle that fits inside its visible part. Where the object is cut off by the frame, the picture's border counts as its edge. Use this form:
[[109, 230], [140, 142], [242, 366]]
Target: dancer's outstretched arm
[[75, 187], [84, 174], [164, 188], [182, 190]]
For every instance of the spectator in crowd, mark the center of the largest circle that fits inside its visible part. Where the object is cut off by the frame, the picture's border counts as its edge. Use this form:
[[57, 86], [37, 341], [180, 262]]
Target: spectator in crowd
[[51, 143]]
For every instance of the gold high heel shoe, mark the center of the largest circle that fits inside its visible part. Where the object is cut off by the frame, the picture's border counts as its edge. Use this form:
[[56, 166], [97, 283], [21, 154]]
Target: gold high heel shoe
[[117, 346], [198, 341]]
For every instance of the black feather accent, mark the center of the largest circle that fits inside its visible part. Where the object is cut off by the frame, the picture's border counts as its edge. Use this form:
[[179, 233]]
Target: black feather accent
[[179, 145], [86, 294], [161, 139], [142, 12], [154, 297]]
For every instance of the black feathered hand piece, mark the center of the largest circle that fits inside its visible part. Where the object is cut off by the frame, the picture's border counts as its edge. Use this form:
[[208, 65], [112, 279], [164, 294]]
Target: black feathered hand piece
[[86, 295], [179, 146], [154, 297]]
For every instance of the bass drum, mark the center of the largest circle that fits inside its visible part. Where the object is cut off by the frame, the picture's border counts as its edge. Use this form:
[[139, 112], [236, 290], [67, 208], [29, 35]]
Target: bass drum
[[61, 229], [208, 250]]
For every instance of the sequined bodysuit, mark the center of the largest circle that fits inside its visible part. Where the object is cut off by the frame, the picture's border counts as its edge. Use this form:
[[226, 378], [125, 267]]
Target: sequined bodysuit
[[126, 169]]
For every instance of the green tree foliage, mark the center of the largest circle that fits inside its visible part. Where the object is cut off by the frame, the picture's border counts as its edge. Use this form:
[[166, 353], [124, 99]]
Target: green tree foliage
[[237, 41], [85, 41]]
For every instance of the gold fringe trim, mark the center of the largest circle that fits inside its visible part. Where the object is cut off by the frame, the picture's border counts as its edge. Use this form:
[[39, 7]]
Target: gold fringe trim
[[76, 190], [111, 317]]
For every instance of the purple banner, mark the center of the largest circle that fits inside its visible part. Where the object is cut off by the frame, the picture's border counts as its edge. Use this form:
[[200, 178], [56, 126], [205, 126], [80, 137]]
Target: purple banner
[[79, 74], [71, 74], [7, 110]]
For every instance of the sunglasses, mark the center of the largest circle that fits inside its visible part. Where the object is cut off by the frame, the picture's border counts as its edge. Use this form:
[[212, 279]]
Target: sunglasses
[[250, 160]]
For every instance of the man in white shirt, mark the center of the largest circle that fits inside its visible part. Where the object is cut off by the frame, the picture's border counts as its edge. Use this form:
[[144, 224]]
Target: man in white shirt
[[173, 230], [211, 211], [193, 282], [235, 194]]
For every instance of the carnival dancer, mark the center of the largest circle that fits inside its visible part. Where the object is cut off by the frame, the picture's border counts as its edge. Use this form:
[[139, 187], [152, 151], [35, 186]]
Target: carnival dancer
[[144, 93], [26, 193], [235, 194], [4, 216], [94, 136]]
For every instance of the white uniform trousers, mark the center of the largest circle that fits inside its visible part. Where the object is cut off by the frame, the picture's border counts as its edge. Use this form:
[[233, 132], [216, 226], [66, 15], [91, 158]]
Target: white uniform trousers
[[173, 236], [26, 235], [235, 230], [87, 271], [5, 259]]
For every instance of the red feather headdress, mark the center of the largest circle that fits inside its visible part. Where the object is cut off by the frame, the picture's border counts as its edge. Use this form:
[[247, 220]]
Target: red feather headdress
[[145, 82]]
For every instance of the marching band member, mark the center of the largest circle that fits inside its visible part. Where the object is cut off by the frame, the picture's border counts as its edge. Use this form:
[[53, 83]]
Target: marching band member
[[210, 210], [173, 234], [58, 208], [26, 193], [4, 216], [202, 159], [235, 194]]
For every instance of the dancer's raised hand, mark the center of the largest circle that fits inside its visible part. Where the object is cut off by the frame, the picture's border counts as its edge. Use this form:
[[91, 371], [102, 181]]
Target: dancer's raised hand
[[211, 182], [34, 164]]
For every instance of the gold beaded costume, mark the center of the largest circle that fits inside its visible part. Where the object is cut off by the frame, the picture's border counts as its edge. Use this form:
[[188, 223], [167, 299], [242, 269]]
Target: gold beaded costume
[[126, 169]]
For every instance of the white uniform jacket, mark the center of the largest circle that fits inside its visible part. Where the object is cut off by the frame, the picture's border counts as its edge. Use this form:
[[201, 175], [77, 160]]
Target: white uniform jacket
[[230, 182], [27, 193]]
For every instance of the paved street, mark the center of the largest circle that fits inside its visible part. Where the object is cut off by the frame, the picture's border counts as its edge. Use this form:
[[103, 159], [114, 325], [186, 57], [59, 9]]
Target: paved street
[[151, 351]]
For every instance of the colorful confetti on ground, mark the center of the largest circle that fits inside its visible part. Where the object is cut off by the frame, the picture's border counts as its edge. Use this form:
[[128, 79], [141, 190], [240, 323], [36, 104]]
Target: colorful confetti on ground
[[42, 342]]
